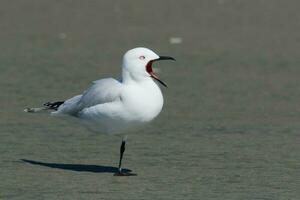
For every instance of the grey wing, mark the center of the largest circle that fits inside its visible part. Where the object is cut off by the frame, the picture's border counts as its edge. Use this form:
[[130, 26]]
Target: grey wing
[[69, 107], [102, 91]]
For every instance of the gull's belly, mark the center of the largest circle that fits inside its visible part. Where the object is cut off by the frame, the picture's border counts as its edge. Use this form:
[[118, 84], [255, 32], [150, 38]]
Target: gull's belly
[[110, 118], [119, 117]]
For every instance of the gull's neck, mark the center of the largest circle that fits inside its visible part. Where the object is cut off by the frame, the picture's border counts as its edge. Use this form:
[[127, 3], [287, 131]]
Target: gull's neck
[[128, 78]]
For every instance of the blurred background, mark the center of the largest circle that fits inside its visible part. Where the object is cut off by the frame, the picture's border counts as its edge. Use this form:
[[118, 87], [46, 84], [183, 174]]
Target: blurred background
[[230, 125]]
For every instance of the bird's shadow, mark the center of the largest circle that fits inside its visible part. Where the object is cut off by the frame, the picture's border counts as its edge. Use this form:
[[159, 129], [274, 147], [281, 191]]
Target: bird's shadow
[[77, 167]]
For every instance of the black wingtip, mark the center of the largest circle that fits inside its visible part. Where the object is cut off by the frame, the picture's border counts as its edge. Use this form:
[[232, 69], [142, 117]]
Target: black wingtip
[[53, 105]]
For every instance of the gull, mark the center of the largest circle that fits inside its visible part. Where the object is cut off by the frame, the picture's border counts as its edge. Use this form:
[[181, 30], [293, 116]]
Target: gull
[[117, 106]]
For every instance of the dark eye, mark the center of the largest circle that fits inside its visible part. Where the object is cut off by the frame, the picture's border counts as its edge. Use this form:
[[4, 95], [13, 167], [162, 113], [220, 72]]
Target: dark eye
[[142, 57]]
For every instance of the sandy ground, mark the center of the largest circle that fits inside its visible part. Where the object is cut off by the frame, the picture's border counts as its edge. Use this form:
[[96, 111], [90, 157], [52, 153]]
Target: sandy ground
[[230, 125]]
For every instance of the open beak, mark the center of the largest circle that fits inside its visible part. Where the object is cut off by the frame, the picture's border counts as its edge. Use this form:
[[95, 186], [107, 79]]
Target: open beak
[[150, 70]]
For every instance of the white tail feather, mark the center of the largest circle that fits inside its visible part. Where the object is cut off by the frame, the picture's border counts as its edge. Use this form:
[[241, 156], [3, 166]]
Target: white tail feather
[[33, 110]]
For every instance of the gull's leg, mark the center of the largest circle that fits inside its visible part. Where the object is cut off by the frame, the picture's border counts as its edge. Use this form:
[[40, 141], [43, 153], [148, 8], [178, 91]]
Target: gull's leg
[[122, 150]]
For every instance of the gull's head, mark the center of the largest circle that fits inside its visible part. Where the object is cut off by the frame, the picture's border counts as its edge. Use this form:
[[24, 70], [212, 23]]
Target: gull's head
[[138, 62]]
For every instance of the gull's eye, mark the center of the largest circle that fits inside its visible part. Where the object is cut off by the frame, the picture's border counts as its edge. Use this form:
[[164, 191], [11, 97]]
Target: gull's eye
[[142, 57]]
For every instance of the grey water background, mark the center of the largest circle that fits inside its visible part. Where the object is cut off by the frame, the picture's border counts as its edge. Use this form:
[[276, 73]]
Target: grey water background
[[230, 124]]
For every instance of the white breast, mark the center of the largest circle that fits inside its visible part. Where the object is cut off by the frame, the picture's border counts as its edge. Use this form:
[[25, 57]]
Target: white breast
[[143, 101]]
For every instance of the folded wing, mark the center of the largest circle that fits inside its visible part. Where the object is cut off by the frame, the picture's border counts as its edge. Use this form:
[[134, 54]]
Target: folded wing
[[101, 91]]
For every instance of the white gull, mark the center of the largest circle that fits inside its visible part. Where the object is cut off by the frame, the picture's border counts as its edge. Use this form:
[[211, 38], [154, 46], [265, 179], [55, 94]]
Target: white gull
[[117, 106]]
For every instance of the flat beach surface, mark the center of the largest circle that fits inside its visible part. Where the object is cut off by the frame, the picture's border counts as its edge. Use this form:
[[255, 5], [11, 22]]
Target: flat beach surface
[[230, 126]]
